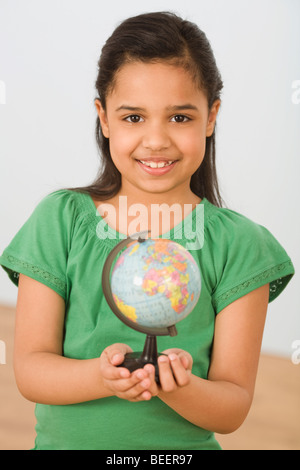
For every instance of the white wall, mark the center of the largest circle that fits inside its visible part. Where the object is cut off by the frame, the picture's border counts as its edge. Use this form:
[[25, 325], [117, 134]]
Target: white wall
[[48, 63]]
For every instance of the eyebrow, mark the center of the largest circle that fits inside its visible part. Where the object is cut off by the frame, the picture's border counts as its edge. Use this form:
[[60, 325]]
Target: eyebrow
[[174, 108], [125, 107], [182, 107]]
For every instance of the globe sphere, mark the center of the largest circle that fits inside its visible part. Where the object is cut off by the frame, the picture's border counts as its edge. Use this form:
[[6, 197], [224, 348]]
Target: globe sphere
[[155, 283]]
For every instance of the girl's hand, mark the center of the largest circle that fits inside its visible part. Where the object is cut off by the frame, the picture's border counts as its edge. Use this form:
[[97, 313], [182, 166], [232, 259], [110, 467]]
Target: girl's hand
[[174, 369], [136, 386]]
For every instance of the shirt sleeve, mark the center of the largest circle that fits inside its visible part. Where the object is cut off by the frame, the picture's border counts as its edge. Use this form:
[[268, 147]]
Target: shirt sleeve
[[40, 248], [250, 257]]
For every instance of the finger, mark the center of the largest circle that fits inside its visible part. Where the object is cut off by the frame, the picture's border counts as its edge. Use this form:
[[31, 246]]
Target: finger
[[125, 386], [166, 377], [116, 353], [110, 372], [139, 391], [182, 376], [111, 357], [186, 360], [147, 388], [144, 396], [184, 356], [139, 377], [172, 350], [151, 371], [117, 358]]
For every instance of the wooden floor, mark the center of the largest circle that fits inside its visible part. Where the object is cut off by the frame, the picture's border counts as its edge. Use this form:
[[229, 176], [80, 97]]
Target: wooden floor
[[272, 424]]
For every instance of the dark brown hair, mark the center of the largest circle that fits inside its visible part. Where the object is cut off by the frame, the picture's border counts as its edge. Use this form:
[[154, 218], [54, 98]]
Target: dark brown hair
[[153, 37]]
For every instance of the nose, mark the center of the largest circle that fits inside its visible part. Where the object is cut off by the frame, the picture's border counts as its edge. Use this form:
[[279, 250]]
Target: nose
[[156, 137]]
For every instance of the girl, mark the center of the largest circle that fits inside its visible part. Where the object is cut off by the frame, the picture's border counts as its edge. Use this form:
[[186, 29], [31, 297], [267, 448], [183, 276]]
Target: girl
[[158, 99]]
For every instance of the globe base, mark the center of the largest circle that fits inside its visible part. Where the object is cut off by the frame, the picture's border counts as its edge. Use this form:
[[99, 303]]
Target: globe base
[[137, 360]]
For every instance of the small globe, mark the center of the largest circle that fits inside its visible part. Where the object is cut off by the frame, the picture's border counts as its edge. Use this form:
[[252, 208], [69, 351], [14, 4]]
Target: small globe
[[155, 283]]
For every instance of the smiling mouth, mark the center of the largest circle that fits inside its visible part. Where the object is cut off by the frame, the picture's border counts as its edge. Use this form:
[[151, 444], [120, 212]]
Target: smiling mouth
[[162, 164]]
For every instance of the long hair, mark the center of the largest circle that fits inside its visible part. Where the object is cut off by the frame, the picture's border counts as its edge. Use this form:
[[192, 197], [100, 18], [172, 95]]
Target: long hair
[[154, 37]]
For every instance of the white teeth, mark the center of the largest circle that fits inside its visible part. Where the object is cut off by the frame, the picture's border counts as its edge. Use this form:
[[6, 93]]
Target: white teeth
[[156, 164]]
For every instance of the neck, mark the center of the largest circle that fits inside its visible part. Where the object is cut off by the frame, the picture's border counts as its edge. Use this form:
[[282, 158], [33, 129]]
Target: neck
[[139, 212], [179, 195]]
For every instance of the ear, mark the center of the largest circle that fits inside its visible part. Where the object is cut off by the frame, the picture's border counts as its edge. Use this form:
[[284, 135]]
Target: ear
[[103, 118], [212, 116]]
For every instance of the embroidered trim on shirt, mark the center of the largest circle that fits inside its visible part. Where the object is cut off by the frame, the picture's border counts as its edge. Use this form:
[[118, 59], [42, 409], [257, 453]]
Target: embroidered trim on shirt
[[21, 265], [275, 285]]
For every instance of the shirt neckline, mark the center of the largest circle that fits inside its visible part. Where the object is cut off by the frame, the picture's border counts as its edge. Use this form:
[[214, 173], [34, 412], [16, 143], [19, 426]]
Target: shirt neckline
[[188, 222]]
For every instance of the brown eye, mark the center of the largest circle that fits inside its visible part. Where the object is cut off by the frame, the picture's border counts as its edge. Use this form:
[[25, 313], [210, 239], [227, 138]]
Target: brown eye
[[180, 118], [134, 118]]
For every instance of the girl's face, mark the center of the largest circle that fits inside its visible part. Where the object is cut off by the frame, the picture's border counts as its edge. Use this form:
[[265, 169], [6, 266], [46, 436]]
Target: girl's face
[[157, 121]]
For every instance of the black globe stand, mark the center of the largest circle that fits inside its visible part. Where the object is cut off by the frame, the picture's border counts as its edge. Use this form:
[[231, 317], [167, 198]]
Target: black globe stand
[[135, 360]]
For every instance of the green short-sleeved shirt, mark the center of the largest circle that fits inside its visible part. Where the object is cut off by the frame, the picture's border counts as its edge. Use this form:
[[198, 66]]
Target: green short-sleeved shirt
[[64, 245]]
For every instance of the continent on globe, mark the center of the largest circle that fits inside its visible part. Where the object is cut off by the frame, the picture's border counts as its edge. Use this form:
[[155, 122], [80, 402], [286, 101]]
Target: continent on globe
[[127, 310]]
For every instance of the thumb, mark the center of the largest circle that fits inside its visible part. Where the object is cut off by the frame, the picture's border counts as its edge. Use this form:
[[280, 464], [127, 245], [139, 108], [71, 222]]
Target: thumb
[[116, 353]]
